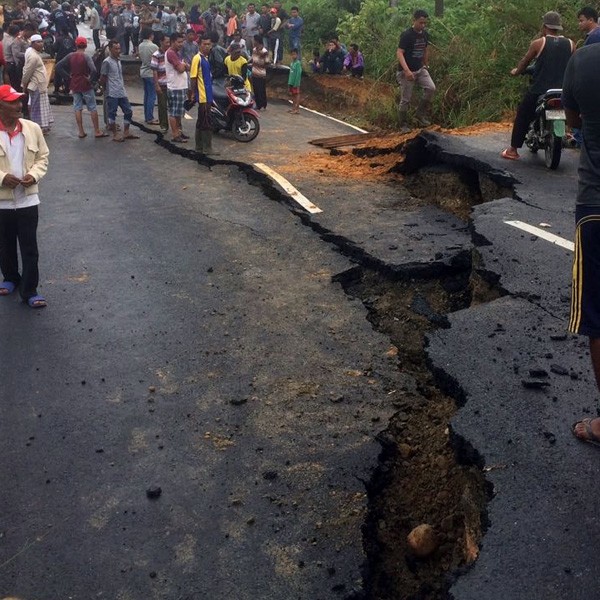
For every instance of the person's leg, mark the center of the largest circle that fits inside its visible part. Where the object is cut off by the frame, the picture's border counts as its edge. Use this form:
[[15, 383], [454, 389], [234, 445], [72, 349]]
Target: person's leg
[[296, 101], [27, 222], [111, 104], [79, 121], [425, 82], [149, 99], [78, 108], [9, 263], [96, 124], [260, 93], [96, 37], [162, 109], [127, 116], [127, 39], [585, 301], [406, 91], [524, 116]]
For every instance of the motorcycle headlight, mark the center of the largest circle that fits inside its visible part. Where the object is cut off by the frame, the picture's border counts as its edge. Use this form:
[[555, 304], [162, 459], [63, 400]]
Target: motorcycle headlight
[[241, 101]]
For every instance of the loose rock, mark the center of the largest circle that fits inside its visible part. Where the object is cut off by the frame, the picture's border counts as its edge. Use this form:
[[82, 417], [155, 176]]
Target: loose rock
[[154, 492], [423, 540]]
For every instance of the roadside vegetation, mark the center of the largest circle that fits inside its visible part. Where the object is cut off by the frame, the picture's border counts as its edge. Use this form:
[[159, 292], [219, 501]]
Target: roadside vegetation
[[474, 46]]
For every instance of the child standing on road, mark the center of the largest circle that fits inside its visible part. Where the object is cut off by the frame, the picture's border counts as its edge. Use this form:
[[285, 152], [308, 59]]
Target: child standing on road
[[294, 81]]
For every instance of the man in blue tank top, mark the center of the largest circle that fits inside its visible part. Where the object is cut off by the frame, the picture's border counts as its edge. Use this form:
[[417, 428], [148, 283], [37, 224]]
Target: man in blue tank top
[[551, 53]]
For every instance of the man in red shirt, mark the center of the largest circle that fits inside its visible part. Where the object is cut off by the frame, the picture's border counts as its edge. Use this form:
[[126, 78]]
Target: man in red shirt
[[79, 67]]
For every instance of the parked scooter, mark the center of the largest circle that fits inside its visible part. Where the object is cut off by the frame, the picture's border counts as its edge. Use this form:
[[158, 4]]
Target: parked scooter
[[232, 109], [547, 129]]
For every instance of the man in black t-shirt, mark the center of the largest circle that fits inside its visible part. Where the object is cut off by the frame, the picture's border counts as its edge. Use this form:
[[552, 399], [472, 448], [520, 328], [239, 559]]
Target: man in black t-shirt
[[412, 55], [581, 99]]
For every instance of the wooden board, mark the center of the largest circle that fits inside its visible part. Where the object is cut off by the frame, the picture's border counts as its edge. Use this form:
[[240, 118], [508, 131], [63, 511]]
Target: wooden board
[[342, 140], [49, 63]]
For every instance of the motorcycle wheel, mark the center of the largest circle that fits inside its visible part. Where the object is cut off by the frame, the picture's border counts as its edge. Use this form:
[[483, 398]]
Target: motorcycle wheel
[[245, 128], [553, 150]]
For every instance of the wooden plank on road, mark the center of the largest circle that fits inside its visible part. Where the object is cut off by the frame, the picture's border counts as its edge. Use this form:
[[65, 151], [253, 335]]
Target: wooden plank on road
[[342, 140]]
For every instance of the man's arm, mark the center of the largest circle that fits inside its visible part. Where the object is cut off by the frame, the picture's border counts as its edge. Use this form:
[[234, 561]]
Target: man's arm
[[40, 165], [534, 49], [63, 67], [403, 64], [28, 68], [176, 62], [103, 74]]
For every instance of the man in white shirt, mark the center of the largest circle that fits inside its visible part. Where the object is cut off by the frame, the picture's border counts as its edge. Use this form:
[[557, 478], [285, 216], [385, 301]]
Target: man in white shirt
[[23, 163]]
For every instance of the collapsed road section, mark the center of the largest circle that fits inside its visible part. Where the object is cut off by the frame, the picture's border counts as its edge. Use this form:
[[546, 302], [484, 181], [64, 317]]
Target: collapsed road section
[[424, 267]]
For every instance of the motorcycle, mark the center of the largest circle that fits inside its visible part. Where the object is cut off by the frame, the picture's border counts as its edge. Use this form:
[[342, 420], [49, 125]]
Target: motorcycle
[[547, 129], [232, 110]]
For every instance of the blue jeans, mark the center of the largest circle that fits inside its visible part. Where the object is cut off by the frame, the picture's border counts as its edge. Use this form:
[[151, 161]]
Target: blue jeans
[[113, 104], [149, 98]]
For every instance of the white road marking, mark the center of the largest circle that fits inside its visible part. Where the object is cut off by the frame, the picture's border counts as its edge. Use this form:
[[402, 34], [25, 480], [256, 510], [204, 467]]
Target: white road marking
[[300, 198], [316, 112], [550, 237]]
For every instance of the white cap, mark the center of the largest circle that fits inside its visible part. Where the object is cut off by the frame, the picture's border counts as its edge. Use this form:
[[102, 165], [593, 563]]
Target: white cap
[[36, 37]]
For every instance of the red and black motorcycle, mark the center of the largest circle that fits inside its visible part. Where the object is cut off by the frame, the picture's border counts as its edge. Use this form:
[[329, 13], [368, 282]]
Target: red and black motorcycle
[[232, 109]]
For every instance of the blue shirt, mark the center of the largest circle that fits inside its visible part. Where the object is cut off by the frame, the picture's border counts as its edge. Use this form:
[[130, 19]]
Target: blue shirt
[[593, 37]]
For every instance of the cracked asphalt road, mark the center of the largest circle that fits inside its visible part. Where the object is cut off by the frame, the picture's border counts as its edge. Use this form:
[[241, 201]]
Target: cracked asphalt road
[[195, 341]]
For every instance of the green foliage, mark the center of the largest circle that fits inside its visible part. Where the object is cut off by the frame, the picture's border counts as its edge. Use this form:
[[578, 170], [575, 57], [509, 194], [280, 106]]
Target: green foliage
[[474, 46]]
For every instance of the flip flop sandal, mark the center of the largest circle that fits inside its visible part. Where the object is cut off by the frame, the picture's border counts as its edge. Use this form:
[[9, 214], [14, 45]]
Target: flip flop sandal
[[82, 136], [508, 156], [131, 136], [591, 437], [179, 140], [102, 135], [37, 301], [6, 288]]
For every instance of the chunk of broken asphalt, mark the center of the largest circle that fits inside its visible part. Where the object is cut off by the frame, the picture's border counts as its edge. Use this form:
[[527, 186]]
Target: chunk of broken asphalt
[[238, 401], [558, 337], [534, 384], [537, 373], [154, 492], [559, 370], [270, 475]]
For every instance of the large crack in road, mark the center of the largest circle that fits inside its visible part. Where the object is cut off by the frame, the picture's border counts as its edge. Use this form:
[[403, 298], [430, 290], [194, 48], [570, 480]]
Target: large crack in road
[[426, 474]]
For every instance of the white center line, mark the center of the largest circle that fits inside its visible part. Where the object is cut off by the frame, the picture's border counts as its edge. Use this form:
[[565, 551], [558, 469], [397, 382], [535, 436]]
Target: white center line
[[550, 237], [316, 112], [301, 199]]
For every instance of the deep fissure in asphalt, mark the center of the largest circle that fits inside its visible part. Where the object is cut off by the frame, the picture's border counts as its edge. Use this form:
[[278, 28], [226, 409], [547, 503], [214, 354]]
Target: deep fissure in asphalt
[[425, 473]]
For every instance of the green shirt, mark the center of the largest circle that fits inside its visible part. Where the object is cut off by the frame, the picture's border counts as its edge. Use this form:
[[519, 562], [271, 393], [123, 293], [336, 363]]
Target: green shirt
[[295, 73]]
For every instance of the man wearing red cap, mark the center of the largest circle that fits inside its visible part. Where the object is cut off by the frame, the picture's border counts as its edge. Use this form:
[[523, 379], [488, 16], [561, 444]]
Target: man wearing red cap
[[35, 81], [23, 162], [79, 68]]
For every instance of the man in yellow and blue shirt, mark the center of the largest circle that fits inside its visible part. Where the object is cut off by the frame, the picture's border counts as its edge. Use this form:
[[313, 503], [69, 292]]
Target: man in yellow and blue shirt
[[201, 87]]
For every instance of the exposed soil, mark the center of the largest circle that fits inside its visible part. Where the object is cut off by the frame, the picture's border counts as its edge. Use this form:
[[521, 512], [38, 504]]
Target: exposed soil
[[420, 479]]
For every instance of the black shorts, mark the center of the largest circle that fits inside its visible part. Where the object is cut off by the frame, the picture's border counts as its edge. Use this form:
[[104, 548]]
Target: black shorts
[[585, 300]]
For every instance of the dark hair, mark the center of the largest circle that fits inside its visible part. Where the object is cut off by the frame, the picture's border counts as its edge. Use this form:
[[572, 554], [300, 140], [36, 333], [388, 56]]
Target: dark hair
[[295, 8], [30, 27], [589, 13], [258, 39], [181, 3], [214, 37], [420, 14], [113, 42], [13, 29], [354, 47], [175, 36], [206, 36], [146, 33], [293, 50], [159, 36]]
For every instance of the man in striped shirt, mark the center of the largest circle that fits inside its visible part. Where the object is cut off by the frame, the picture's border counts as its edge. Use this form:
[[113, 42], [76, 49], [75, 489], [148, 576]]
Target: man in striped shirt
[[157, 64]]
